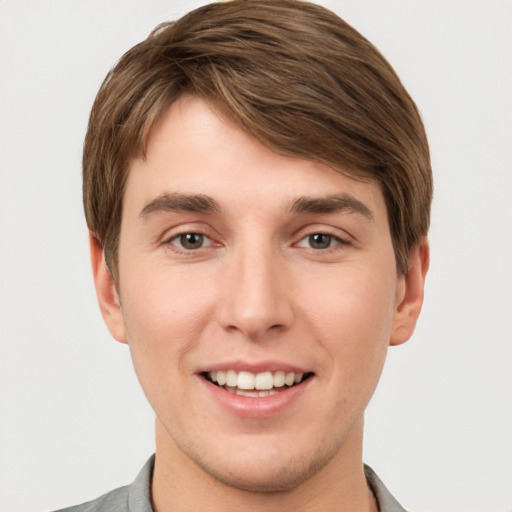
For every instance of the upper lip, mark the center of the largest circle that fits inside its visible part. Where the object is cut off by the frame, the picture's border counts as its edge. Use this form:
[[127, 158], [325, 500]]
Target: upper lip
[[254, 367]]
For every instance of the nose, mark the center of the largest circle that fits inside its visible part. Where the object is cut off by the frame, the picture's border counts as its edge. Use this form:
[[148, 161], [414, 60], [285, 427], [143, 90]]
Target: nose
[[257, 294]]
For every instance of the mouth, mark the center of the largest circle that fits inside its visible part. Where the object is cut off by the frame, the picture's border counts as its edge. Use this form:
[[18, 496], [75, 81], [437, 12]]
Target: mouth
[[255, 385]]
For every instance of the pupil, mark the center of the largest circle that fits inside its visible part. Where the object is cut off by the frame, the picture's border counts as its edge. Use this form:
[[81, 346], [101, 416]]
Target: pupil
[[320, 241], [191, 240]]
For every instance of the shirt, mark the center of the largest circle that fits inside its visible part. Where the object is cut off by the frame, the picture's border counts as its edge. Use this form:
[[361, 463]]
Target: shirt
[[137, 496]]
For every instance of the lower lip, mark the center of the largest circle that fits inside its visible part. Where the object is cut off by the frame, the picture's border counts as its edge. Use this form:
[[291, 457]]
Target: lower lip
[[256, 407]]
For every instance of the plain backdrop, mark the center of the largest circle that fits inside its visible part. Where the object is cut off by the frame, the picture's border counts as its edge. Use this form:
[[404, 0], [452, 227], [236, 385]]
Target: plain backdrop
[[73, 420]]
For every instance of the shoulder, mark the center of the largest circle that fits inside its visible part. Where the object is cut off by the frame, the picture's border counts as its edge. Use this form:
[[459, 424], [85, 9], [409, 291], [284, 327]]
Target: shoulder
[[130, 498], [113, 501]]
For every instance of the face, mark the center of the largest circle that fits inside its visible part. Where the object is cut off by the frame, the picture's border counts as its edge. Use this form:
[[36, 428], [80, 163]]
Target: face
[[258, 294]]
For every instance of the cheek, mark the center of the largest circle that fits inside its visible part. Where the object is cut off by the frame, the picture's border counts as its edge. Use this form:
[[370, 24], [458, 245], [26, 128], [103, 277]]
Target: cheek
[[164, 319], [353, 319], [164, 312]]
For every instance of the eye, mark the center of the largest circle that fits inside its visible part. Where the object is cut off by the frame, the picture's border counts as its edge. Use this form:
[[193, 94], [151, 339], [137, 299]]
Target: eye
[[319, 241], [190, 241]]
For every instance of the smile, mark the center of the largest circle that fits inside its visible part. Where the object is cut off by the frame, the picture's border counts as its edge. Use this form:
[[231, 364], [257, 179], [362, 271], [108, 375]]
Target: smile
[[255, 384]]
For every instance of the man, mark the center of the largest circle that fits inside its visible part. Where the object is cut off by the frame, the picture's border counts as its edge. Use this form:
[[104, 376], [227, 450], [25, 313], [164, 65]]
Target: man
[[257, 187]]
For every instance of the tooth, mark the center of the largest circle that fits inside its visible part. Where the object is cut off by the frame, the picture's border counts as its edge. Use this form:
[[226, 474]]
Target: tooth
[[264, 381], [231, 378], [272, 392], [265, 392], [279, 378], [253, 394], [246, 380]]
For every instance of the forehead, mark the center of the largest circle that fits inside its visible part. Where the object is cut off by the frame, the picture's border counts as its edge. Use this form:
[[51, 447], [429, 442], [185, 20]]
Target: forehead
[[195, 149]]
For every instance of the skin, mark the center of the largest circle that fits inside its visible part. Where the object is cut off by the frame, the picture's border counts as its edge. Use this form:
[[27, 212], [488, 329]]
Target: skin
[[255, 291]]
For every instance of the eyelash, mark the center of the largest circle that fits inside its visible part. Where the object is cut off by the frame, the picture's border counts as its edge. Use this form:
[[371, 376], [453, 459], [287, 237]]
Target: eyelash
[[180, 238], [333, 241], [179, 241]]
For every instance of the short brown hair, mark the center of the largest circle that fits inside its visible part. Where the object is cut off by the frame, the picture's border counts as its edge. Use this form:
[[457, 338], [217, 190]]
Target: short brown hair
[[290, 73]]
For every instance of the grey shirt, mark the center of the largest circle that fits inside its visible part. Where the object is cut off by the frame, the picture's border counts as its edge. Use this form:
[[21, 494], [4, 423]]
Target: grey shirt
[[137, 496]]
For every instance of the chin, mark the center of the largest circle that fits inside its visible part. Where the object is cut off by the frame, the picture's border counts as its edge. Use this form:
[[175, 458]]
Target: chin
[[269, 474], [263, 479]]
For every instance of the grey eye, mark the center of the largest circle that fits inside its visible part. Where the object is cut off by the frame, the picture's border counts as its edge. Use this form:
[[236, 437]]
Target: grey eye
[[320, 241], [191, 240]]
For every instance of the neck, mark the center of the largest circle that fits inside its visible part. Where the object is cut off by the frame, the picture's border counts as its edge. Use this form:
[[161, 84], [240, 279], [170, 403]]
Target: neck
[[180, 485]]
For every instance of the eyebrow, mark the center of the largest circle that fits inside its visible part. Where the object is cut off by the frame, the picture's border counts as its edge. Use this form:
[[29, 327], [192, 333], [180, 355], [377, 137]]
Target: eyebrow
[[331, 204], [178, 202]]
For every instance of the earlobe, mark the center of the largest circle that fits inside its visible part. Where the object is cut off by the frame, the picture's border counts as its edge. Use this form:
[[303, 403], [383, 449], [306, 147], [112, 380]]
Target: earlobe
[[410, 294], [106, 292]]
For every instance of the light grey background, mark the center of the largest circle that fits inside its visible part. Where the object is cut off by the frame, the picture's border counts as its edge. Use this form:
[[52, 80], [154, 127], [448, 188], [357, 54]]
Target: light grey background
[[74, 423]]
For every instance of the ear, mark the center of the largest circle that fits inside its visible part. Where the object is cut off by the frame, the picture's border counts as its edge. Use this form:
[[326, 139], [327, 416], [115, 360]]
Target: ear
[[106, 292], [410, 294]]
